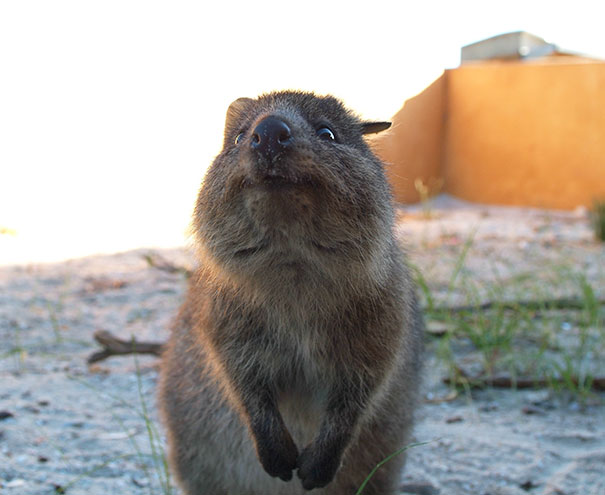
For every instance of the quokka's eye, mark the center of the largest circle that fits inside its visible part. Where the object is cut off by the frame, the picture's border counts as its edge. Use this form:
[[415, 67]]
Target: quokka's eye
[[239, 137], [326, 134]]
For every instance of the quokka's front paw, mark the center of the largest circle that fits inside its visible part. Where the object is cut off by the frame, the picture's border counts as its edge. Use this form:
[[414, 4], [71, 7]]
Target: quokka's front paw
[[278, 455], [317, 467]]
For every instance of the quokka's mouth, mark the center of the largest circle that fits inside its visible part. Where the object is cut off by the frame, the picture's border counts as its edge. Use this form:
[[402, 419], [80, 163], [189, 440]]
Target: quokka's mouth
[[277, 182]]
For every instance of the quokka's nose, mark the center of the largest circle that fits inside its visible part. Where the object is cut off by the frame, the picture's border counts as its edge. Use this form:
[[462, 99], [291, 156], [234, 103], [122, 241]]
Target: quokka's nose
[[271, 137]]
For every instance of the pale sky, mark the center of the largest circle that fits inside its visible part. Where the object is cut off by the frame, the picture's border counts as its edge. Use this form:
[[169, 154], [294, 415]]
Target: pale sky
[[110, 111]]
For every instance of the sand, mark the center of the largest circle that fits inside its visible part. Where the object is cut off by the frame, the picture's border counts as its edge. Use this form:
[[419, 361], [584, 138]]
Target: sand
[[67, 427]]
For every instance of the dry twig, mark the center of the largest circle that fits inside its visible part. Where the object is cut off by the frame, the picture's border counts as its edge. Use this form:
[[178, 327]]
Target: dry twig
[[507, 381], [548, 304], [113, 346], [154, 260]]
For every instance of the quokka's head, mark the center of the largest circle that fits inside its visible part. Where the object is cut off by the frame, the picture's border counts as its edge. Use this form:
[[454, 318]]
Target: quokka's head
[[295, 180]]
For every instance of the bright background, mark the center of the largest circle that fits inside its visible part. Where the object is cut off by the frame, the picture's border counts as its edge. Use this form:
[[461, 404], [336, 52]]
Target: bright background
[[110, 111]]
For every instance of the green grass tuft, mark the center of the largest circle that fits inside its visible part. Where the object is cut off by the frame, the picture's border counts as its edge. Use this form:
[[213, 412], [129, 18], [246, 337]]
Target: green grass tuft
[[598, 219]]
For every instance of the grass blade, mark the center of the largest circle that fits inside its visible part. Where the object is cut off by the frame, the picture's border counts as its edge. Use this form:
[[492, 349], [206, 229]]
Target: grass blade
[[384, 461]]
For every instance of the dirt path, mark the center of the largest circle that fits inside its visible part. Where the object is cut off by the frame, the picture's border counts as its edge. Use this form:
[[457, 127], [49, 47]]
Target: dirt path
[[67, 428]]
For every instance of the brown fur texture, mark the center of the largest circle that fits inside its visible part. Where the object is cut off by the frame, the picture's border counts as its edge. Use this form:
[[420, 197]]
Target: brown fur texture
[[297, 351]]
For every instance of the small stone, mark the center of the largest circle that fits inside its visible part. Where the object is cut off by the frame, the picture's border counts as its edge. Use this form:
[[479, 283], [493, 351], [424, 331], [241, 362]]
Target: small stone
[[15, 483], [437, 328], [538, 398], [528, 485], [489, 407], [140, 483], [454, 419], [6, 415], [532, 410]]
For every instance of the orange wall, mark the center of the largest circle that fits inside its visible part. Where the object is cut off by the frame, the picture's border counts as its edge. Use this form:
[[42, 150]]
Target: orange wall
[[510, 133], [412, 147], [526, 134]]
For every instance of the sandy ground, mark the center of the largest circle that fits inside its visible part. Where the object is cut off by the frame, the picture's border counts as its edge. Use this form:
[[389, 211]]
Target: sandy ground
[[69, 428]]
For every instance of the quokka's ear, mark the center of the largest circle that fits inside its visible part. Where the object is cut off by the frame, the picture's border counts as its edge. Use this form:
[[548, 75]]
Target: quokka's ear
[[236, 109], [374, 127]]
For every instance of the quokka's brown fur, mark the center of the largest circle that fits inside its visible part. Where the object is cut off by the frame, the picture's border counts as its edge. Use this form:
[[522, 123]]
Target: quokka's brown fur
[[298, 348]]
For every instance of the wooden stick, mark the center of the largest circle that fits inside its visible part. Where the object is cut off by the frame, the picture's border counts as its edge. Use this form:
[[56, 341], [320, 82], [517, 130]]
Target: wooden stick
[[560, 303], [113, 346], [506, 381], [154, 260]]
